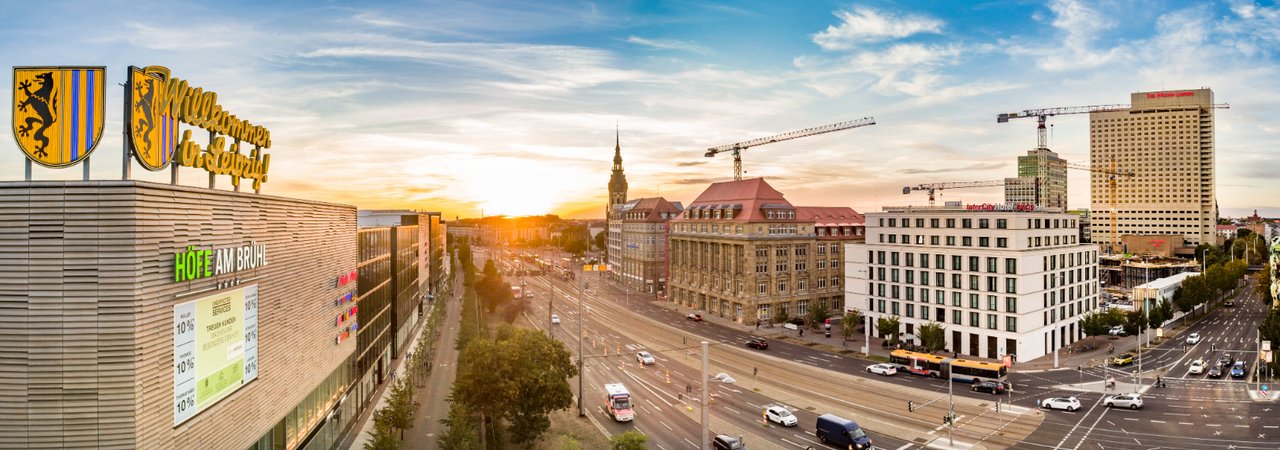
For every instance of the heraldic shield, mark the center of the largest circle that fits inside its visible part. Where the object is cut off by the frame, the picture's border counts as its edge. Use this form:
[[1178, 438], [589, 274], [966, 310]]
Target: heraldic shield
[[58, 112], [153, 131]]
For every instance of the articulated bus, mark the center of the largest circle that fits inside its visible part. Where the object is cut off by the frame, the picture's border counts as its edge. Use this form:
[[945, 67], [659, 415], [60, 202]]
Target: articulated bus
[[942, 367]]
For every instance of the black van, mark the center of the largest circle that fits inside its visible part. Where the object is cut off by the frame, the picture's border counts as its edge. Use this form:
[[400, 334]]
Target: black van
[[833, 429]]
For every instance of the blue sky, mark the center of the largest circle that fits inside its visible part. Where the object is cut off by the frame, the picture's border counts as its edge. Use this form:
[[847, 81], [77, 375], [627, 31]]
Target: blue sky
[[511, 106]]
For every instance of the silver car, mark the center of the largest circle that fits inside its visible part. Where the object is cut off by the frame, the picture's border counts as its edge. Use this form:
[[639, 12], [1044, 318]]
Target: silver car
[[780, 415], [1067, 403], [1130, 400]]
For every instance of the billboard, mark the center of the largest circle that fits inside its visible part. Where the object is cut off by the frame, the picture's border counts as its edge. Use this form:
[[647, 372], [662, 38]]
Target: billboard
[[215, 349]]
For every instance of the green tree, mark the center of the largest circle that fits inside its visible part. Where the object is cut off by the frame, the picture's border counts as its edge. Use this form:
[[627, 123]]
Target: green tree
[[817, 315], [400, 408], [933, 336], [1262, 284], [460, 430], [569, 443], [1094, 323], [1134, 322], [890, 326], [631, 440], [1269, 330], [523, 364], [849, 324], [384, 433], [599, 240], [782, 316]]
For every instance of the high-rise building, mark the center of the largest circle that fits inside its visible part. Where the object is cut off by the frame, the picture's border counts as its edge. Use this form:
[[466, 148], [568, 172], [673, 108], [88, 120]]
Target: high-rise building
[[743, 252], [1166, 139], [642, 260], [1009, 281], [617, 197], [1041, 180]]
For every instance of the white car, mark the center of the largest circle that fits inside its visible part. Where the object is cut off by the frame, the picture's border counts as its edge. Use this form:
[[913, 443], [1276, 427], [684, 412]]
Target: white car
[[1197, 367], [1193, 339], [644, 358], [1067, 403], [883, 369], [1131, 401], [1117, 330], [555, 319], [781, 416]]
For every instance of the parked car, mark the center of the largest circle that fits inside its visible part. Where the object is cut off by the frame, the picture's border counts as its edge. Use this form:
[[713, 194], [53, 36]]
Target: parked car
[[727, 442], [1230, 303], [1123, 360], [780, 415], [1117, 330], [1215, 372], [694, 317], [1131, 401], [1193, 339], [555, 319], [1067, 403], [990, 387], [844, 433], [798, 321], [883, 369], [758, 343], [1239, 369], [644, 358], [1197, 367]]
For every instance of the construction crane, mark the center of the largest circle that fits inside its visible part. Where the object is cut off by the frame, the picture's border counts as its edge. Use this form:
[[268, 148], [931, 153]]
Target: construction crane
[[740, 146], [931, 188], [1112, 174], [1044, 113]]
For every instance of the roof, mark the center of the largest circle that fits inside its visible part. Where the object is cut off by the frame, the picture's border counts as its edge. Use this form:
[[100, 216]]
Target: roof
[[1227, 227], [752, 194], [1167, 282], [652, 207], [830, 216]]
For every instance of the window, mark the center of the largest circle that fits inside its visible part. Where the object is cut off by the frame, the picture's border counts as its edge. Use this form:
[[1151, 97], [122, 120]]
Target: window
[[1011, 285], [1011, 305], [801, 265], [894, 291], [984, 241], [924, 313], [992, 263], [984, 223], [782, 286], [893, 274], [1002, 242], [911, 277], [956, 261], [940, 297], [762, 288], [973, 320], [966, 241], [955, 315], [822, 283], [991, 321], [781, 267], [924, 278], [880, 305], [893, 222], [951, 223], [893, 258], [880, 271], [1002, 223], [880, 257], [955, 281], [1010, 265], [911, 293], [822, 264], [940, 262], [973, 264], [896, 309], [940, 279], [924, 260], [966, 223], [955, 299], [1011, 323], [992, 303], [924, 295], [911, 259], [991, 284], [911, 310], [973, 301], [951, 240], [933, 240], [920, 223]]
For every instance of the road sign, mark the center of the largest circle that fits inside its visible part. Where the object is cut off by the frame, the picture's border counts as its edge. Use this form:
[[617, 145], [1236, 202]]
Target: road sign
[[1266, 346], [1264, 388]]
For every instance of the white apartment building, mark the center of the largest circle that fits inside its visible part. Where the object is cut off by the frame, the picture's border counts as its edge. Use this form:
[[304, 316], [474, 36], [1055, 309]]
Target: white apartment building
[[1001, 281]]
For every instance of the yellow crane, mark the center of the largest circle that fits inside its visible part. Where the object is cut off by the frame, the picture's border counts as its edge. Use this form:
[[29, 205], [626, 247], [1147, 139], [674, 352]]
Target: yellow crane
[[738, 147], [1112, 174]]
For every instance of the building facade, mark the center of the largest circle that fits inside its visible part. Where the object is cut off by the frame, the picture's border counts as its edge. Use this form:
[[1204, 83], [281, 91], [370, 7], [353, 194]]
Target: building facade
[[642, 260], [1000, 282], [388, 296], [617, 197], [743, 252], [1167, 140], [1041, 180], [130, 300]]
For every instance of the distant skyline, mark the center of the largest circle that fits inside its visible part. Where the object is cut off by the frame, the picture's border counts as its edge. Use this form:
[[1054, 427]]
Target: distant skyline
[[511, 107]]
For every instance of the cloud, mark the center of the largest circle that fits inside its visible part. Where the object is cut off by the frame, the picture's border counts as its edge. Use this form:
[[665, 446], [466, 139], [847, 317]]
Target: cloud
[[668, 44], [975, 166], [690, 163], [863, 24], [1080, 26]]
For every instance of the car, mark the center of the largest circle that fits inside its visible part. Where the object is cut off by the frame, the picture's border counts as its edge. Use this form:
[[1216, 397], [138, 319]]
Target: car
[[1230, 303], [758, 343], [780, 415], [1122, 360], [694, 317], [1197, 367], [1066, 403], [1117, 330], [1131, 401], [991, 387], [1215, 372], [1193, 339], [644, 358], [727, 442], [1225, 360], [1239, 369], [841, 432], [883, 369], [799, 321], [555, 319], [528, 294]]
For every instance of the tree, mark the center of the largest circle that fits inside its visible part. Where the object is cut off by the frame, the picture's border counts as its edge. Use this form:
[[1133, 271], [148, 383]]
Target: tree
[[569, 443], [384, 434], [933, 336], [599, 240], [523, 364], [1094, 324], [889, 325], [631, 440], [818, 315], [1270, 330], [849, 324], [782, 316], [1115, 317], [1134, 322], [400, 408], [1262, 284], [460, 430]]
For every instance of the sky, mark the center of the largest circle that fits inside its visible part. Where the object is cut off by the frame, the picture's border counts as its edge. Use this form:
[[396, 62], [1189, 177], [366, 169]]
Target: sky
[[512, 107]]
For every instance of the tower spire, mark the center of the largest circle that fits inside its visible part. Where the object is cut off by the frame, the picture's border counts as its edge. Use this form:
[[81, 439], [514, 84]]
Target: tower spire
[[617, 180]]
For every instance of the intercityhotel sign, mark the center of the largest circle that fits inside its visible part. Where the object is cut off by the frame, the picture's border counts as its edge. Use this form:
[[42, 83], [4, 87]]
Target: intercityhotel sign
[[58, 121]]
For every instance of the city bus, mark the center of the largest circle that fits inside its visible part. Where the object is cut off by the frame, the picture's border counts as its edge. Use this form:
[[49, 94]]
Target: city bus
[[935, 366], [617, 401]]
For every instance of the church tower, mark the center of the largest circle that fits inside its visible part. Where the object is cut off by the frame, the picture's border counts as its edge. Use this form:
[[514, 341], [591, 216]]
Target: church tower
[[617, 180]]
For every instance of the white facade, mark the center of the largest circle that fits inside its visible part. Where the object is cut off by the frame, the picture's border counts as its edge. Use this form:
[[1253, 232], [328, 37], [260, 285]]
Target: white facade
[[1000, 282]]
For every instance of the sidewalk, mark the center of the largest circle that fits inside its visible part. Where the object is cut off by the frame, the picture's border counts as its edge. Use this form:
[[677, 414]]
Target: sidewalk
[[366, 417]]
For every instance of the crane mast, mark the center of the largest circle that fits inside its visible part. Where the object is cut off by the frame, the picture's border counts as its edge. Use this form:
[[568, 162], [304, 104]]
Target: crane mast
[[1112, 174], [737, 148]]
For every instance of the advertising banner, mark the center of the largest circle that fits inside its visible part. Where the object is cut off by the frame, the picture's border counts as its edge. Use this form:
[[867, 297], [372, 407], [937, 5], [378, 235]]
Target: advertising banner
[[215, 349]]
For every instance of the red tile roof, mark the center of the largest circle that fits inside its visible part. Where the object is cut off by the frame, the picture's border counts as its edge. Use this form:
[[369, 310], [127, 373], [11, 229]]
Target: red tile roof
[[653, 206], [830, 216], [752, 194]]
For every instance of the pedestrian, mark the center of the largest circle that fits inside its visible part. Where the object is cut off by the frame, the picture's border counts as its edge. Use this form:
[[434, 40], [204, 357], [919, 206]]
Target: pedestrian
[[757, 324], [802, 332], [688, 388], [755, 371]]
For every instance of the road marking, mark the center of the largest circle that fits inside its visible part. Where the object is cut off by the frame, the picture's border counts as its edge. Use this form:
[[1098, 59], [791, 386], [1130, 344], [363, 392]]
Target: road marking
[[1212, 425], [1157, 421], [1131, 418], [904, 446], [665, 425], [792, 443], [1185, 423]]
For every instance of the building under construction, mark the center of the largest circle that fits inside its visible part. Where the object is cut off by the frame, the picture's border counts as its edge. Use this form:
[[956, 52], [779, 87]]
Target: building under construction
[[1125, 272]]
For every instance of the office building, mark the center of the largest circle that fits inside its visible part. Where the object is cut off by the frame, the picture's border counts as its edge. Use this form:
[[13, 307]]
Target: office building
[[1041, 180], [642, 260], [743, 252], [1001, 280], [1166, 139]]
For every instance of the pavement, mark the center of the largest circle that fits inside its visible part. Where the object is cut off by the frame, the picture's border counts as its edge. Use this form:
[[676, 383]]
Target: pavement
[[357, 440], [432, 394]]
